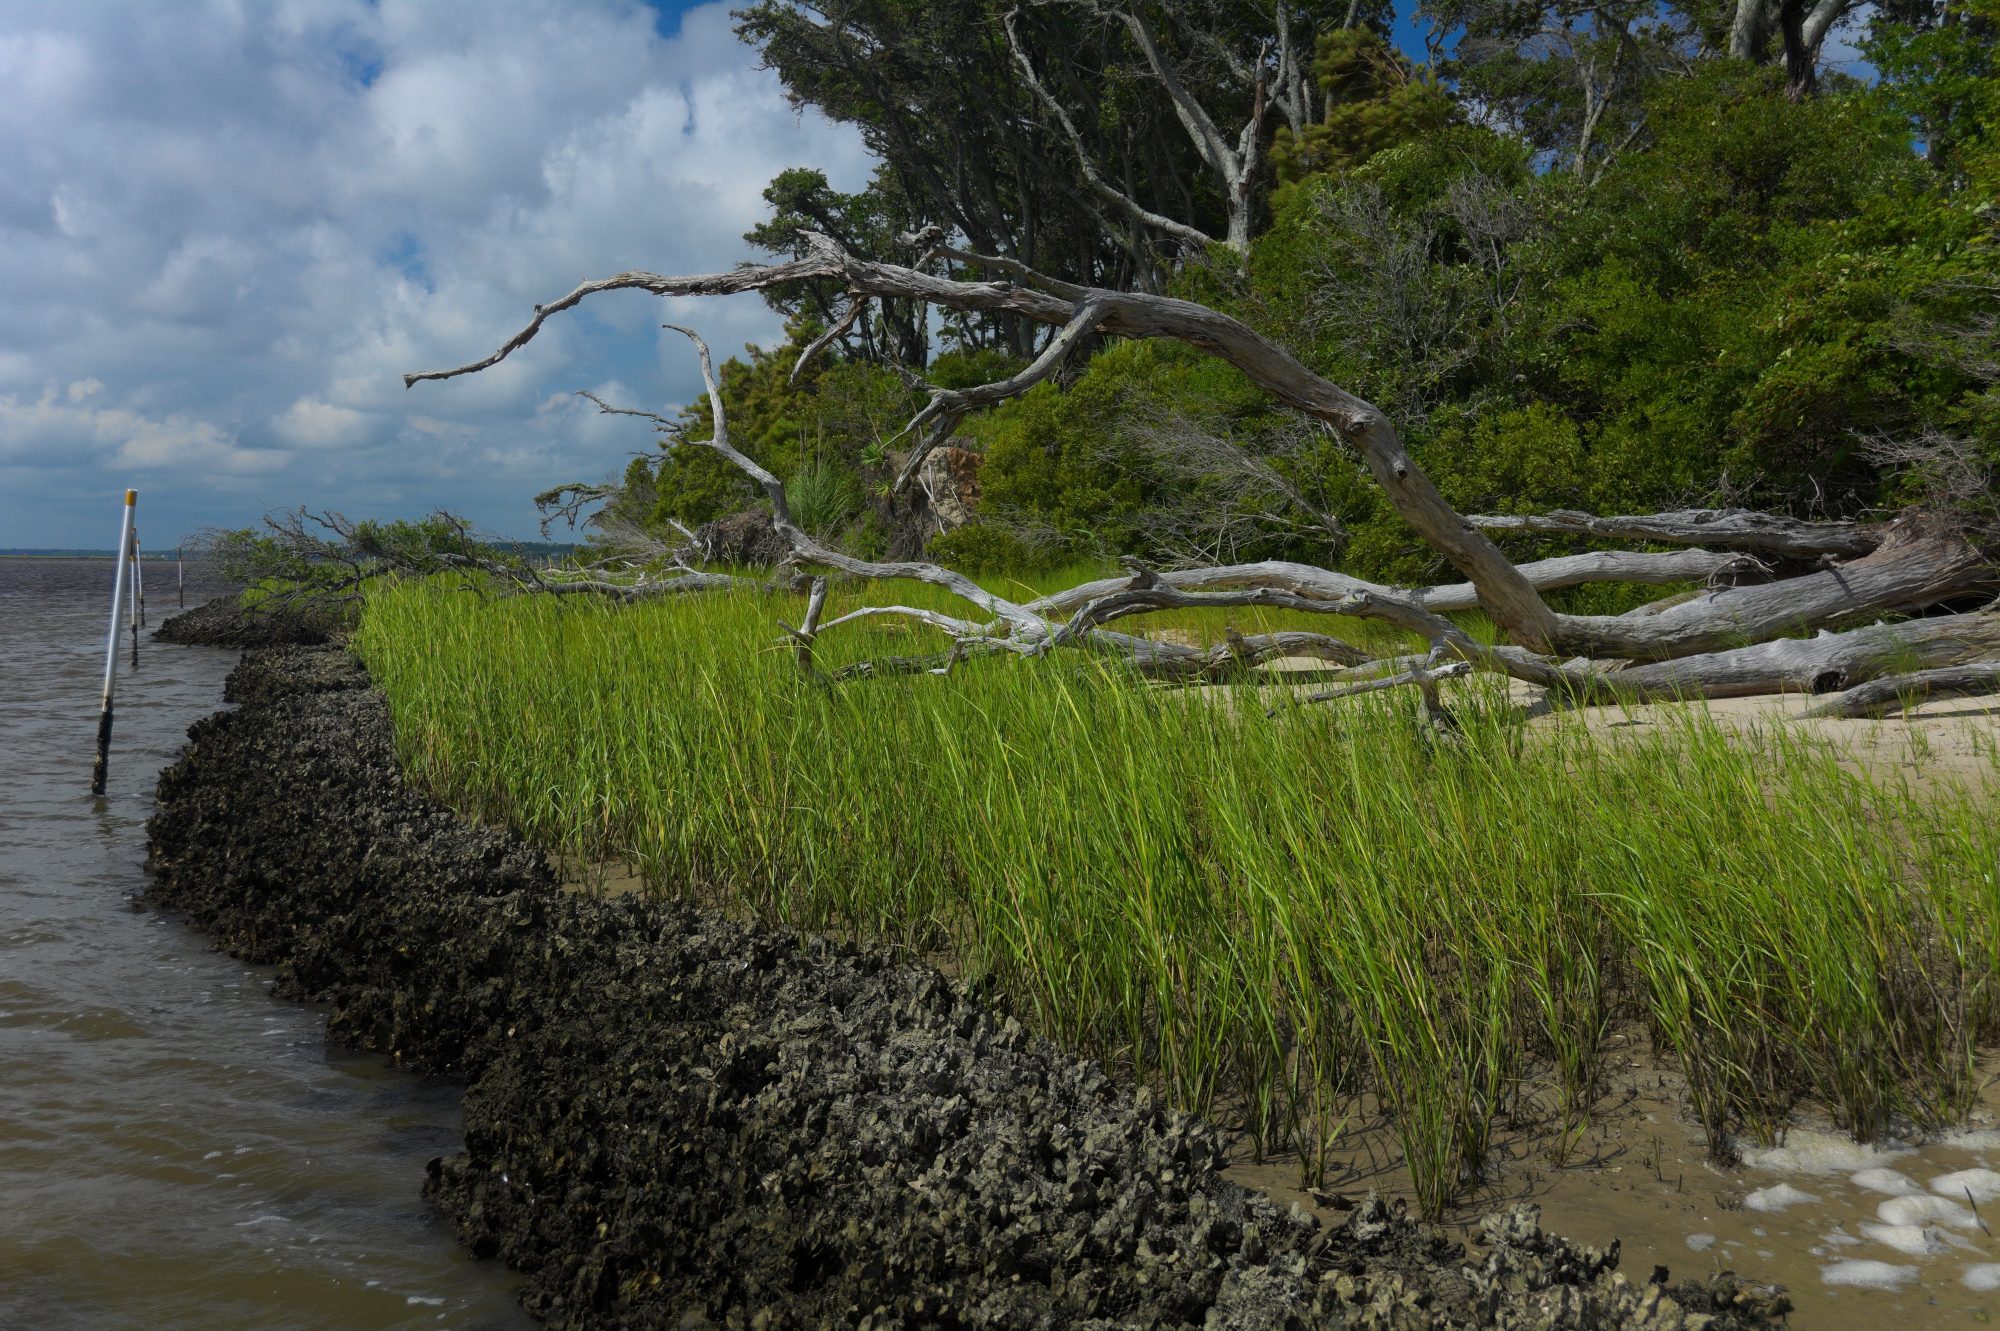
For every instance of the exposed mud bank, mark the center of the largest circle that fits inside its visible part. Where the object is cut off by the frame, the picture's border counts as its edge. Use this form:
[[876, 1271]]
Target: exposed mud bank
[[224, 623], [677, 1121]]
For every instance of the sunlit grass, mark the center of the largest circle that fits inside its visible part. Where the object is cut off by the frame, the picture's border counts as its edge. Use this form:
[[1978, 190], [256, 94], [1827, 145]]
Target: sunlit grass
[[1278, 916]]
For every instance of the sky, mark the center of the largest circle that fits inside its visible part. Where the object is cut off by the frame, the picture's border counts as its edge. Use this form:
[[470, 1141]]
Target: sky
[[228, 227]]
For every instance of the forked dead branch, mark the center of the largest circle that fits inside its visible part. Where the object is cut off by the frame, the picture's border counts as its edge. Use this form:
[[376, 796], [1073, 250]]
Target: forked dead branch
[[1768, 578]]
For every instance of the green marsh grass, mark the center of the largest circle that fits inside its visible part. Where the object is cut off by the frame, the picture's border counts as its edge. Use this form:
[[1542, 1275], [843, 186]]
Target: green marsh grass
[[1286, 920]]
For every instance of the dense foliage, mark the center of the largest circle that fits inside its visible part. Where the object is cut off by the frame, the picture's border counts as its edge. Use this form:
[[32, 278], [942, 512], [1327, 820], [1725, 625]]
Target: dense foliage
[[1583, 258]]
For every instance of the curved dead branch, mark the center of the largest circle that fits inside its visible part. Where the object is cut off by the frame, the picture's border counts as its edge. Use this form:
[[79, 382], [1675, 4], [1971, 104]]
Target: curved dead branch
[[930, 244], [1703, 644], [856, 307], [948, 406], [1419, 674]]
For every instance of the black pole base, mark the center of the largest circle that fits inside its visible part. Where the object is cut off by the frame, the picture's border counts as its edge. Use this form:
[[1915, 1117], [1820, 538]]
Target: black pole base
[[100, 770]]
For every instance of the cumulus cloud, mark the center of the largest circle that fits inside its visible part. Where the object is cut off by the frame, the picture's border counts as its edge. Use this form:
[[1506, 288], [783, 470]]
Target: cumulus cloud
[[226, 231], [65, 436], [313, 423]]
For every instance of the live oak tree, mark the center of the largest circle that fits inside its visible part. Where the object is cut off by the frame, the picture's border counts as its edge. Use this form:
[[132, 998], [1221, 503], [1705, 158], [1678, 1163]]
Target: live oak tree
[[1800, 27], [1092, 140]]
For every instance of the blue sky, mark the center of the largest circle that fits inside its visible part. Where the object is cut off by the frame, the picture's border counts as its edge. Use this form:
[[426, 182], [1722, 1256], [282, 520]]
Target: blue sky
[[226, 229]]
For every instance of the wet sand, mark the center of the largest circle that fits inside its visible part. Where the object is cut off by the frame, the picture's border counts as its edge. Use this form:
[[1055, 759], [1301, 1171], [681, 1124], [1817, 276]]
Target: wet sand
[[1640, 1175]]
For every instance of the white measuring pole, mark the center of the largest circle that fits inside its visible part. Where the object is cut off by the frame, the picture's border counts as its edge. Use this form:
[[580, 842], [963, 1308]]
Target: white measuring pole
[[180, 578], [97, 773]]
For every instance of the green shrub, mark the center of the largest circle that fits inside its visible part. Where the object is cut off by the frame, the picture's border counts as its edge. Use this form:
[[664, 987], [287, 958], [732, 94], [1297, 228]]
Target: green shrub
[[980, 547], [823, 497], [696, 485]]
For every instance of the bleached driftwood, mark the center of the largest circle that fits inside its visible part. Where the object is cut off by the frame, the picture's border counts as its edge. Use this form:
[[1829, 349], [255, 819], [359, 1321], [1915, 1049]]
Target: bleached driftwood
[[1879, 697], [1735, 636], [1729, 528]]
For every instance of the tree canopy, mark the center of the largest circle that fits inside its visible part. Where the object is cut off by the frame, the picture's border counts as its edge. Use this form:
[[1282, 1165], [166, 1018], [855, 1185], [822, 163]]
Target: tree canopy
[[1600, 256]]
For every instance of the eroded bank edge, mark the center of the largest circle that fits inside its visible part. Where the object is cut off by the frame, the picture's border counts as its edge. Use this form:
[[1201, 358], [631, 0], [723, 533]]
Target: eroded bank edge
[[672, 1118]]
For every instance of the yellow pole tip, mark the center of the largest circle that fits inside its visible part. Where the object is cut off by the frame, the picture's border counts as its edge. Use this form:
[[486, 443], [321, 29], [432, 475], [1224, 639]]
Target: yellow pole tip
[[131, 498]]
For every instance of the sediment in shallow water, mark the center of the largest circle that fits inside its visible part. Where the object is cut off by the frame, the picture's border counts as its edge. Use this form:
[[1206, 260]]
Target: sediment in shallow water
[[674, 1120]]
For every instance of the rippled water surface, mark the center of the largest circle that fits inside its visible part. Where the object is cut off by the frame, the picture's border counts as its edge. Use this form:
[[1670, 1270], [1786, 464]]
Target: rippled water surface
[[177, 1148]]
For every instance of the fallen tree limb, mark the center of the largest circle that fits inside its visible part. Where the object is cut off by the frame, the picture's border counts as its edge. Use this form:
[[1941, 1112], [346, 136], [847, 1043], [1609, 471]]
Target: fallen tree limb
[[1131, 599], [1912, 569], [1545, 575], [957, 628], [937, 663], [680, 584], [1829, 663], [1894, 692], [1236, 654], [1414, 675], [1729, 528], [1893, 568], [1163, 661], [1645, 568]]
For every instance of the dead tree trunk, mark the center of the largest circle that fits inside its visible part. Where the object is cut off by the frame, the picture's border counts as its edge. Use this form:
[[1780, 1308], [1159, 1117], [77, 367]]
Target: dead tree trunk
[[1802, 30], [1236, 163], [1881, 696], [1735, 636]]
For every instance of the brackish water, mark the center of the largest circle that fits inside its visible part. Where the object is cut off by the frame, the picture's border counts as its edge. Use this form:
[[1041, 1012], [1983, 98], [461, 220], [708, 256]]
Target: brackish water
[[177, 1148]]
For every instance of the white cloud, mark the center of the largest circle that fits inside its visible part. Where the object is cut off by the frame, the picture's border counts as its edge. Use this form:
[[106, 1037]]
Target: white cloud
[[312, 423], [227, 231], [60, 433]]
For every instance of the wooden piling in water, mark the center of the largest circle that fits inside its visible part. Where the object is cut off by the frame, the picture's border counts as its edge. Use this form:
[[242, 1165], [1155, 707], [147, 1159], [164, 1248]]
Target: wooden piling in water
[[139, 577], [102, 766], [132, 601]]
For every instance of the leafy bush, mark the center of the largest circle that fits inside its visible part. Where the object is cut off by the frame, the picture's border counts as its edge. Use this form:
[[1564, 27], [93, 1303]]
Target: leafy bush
[[980, 547], [695, 485]]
